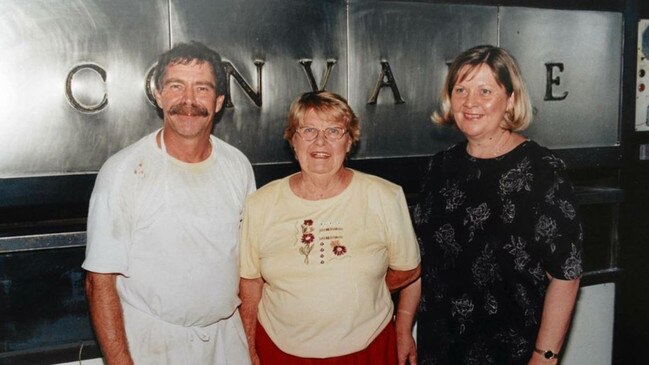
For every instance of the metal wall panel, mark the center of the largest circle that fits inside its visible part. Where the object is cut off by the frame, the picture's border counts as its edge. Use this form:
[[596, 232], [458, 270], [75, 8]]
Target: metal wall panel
[[43, 134], [589, 45], [42, 41], [280, 33], [416, 40]]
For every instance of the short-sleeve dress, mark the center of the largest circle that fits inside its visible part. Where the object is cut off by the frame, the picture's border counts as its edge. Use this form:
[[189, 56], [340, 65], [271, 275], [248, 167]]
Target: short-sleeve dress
[[489, 231]]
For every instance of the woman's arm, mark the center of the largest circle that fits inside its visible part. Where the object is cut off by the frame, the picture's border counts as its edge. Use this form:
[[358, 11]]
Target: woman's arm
[[406, 311], [558, 306], [107, 317], [559, 234], [250, 295], [397, 279]]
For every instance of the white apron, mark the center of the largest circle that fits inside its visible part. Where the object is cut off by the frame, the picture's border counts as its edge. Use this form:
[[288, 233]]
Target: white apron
[[180, 298]]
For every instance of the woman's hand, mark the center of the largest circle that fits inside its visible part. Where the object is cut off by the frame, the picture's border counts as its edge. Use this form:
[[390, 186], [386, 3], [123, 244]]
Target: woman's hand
[[560, 299], [250, 293], [406, 310], [254, 358], [406, 349]]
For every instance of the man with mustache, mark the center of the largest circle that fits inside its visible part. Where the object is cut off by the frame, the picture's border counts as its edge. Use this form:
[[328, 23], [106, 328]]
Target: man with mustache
[[163, 229]]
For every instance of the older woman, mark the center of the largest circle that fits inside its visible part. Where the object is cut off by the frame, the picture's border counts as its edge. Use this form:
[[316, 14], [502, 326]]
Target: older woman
[[322, 249], [500, 239]]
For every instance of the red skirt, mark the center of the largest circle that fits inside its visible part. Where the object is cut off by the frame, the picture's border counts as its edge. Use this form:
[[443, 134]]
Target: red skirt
[[382, 351]]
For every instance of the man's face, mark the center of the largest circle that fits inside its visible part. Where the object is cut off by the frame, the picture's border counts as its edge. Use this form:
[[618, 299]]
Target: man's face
[[188, 99]]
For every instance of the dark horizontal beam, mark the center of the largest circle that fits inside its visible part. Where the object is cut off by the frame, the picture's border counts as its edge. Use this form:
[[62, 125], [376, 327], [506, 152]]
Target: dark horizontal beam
[[405, 171]]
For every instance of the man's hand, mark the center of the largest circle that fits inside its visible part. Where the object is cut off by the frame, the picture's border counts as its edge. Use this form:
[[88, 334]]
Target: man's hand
[[107, 318]]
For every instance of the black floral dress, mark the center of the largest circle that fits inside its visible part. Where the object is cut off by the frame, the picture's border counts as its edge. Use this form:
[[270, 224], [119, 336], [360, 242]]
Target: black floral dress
[[489, 230]]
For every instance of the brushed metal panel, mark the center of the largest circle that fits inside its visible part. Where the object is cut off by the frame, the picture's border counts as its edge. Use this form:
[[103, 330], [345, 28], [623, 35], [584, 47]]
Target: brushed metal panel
[[417, 40], [41, 42], [42, 242], [589, 44], [280, 33]]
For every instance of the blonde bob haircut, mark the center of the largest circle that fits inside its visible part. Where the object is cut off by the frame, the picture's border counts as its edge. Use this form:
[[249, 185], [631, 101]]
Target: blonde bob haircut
[[329, 106], [505, 71]]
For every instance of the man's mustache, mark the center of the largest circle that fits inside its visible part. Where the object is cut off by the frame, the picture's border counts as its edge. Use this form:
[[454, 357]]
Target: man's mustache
[[188, 110]]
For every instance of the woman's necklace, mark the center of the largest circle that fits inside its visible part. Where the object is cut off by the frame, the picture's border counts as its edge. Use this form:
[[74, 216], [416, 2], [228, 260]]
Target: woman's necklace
[[502, 146], [494, 150]]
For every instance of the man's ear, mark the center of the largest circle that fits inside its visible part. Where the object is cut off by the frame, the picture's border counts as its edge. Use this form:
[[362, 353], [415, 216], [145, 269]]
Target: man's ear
[[158, 97], [218, 104]]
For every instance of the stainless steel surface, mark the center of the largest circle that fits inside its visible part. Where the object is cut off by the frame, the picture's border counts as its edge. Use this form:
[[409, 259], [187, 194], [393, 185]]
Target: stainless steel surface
[[42, 242], [589, 45], [417, 40], [43, 42], [280, 33], [74, 73]]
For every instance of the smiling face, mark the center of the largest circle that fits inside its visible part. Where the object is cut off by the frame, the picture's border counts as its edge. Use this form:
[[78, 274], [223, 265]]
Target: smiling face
[[321, 156], [479, 103], [189, 100]]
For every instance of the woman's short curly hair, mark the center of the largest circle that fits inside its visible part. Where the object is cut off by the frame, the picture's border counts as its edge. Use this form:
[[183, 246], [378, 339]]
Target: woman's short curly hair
[[505, 71], [326, 104]]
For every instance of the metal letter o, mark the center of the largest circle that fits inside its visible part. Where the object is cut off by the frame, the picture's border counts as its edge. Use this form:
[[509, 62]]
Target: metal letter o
[[68, 88]]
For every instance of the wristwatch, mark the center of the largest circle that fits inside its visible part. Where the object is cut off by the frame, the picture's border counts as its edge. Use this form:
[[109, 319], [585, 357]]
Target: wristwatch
[[548, 354]]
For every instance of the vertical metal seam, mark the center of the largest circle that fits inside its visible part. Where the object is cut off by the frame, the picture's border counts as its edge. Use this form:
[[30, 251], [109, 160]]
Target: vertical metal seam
[[169, 23], [347, 49], [498, 26]]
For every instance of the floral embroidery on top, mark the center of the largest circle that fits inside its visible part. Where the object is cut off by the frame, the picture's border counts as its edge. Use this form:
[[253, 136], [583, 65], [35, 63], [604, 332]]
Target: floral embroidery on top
[[462, 309], [517, 179], [546, 230], [338, 248], [517, 248], [572, 268], [307, 239], [509, 211], [454, 196], [490, 304], [485, 268], [316, 234], [567, 209], [445, 236], [475, 218]]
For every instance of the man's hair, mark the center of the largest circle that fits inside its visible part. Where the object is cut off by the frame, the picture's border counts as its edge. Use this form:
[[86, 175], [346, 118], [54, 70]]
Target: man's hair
[[186, 53]]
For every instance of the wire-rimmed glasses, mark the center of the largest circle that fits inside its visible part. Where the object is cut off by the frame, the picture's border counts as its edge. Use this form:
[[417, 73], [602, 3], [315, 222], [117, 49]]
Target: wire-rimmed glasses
[[330, 133]]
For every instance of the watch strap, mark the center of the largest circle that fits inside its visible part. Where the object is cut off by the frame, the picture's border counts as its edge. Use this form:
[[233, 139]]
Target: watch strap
[[548, 354]]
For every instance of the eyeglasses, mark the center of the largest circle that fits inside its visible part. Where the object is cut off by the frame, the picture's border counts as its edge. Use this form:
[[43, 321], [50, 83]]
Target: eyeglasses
[[330, 133]]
